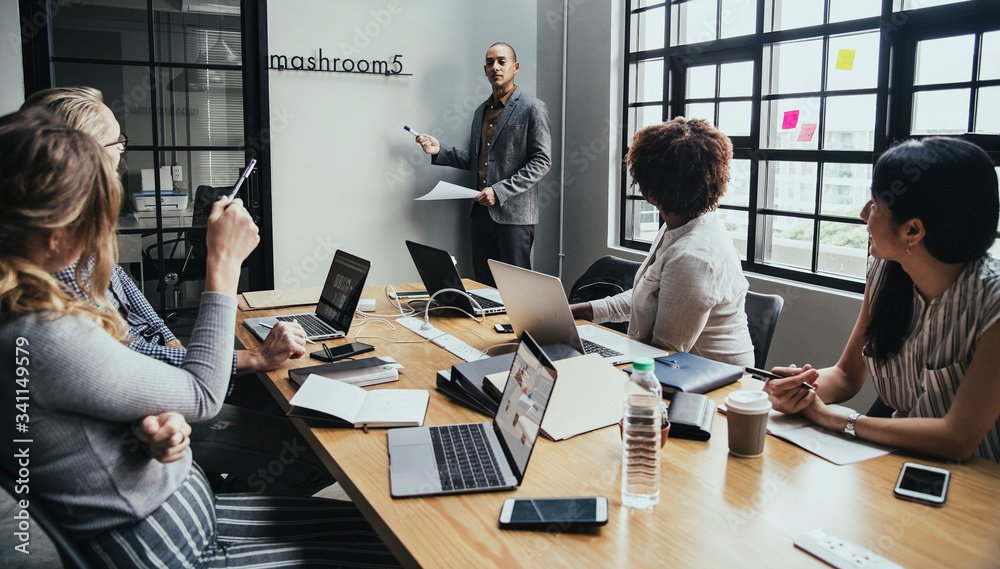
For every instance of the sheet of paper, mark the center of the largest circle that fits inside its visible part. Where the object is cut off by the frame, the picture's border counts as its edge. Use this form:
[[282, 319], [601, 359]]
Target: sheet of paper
[[790, 119], [259, 299], [833, 447], [806, 134], [845, 59], [448, 191], [329, 396]]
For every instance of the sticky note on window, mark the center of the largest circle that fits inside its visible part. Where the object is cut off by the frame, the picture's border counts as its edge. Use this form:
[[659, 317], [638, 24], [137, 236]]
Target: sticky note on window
[[845, 59], [807, 132], [791, 119]]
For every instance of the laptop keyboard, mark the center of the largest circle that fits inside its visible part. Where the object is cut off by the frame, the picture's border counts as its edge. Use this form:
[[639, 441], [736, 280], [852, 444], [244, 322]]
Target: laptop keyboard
[[464, 457], [310, 323], [485, 302], [595, 348]]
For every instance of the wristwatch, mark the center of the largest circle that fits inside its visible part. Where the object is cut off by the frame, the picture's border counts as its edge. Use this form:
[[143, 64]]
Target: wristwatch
[[849, 428]]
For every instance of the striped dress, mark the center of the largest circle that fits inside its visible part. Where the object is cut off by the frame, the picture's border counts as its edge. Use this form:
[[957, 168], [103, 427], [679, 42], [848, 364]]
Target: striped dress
[[922, 379]]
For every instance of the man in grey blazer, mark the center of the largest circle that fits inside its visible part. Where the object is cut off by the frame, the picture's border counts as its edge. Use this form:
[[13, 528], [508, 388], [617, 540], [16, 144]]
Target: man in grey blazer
[[509, 149]]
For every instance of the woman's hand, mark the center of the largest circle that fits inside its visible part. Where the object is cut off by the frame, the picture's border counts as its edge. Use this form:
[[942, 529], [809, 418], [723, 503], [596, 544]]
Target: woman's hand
[[787, 394], [164, 437], [231, 237]]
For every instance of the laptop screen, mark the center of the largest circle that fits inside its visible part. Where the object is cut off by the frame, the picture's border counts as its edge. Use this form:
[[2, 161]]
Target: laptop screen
[[342, 290], [525, 397], [437, 271]]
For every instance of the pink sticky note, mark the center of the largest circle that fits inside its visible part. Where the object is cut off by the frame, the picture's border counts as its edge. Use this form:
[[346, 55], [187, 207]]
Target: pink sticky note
[[791, 119], [806, 134]]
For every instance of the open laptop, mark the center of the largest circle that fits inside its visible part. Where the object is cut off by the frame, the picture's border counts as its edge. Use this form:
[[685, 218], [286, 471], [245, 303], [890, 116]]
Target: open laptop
[[537, 303], [477, 457], [437, 271], [336, 306]]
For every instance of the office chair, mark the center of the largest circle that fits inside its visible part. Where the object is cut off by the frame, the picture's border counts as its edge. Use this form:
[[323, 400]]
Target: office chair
[[762, 316], [42, 518], [606, 277]]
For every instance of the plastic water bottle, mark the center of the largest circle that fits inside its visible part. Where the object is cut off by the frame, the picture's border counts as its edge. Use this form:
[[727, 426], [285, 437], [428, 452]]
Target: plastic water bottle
[[641, 437]]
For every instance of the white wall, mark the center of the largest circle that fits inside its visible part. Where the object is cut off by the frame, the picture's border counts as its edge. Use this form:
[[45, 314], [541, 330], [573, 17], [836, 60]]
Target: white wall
[[344, 171], [11, 66]]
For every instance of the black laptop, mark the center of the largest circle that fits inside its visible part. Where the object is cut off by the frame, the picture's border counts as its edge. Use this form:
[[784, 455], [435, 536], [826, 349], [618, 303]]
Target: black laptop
[[336, 306], [437, 271]]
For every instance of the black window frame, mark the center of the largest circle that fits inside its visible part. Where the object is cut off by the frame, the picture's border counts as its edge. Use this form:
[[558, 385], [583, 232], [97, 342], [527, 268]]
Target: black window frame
[[38, 63]]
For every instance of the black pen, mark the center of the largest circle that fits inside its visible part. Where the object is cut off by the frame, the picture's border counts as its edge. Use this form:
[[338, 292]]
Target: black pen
[[765, 376]]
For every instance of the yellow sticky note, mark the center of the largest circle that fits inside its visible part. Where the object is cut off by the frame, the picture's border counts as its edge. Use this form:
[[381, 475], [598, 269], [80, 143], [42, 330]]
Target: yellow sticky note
[[845, 59]]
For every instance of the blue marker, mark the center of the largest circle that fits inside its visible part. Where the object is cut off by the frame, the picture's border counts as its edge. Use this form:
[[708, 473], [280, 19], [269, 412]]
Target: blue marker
[[411, 131]]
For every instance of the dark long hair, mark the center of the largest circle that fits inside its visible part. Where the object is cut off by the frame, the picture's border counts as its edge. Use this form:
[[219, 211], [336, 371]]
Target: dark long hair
[[951, 186]]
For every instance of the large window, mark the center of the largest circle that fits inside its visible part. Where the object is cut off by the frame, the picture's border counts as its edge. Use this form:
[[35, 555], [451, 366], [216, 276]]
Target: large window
[[810, 92], [182, 80]]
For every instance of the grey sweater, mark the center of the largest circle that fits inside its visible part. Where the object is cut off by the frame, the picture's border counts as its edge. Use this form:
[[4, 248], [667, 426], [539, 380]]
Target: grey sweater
[[85, 389]]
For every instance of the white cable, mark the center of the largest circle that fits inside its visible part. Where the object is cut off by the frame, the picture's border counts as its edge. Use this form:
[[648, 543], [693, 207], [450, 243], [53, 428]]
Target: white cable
[[427, 319]]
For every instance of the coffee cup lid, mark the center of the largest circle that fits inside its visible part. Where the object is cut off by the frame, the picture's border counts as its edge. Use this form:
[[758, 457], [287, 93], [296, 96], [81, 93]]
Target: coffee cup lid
[[748, 401]]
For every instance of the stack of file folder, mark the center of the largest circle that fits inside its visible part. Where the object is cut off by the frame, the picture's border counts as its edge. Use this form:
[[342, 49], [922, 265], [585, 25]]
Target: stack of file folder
[[464, 384]]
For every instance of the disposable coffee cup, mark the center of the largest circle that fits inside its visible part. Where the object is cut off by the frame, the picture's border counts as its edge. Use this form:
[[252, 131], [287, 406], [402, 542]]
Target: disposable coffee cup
[[746, 413]]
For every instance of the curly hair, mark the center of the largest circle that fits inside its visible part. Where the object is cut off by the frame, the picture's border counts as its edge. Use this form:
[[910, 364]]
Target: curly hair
[[681, 166]]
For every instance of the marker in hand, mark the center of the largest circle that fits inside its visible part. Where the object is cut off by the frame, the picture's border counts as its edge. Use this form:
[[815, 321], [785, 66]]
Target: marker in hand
[[243, 177], [411, 131]]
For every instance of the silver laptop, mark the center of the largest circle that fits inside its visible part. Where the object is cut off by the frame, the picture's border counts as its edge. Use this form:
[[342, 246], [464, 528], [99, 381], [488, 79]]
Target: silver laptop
[[537, 303], [477, 457], [437, 271], [335, 310]]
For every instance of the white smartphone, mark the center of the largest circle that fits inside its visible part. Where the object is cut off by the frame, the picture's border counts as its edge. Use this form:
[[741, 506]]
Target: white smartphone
[[922, 483], [553, 514]]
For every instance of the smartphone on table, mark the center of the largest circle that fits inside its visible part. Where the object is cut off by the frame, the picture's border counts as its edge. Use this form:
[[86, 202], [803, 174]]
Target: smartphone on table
[[341, 352], [922, 483], [554, 513]]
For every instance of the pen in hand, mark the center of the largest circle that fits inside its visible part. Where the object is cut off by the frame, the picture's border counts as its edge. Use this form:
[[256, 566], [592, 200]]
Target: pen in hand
[[766, 376], [411, 131]]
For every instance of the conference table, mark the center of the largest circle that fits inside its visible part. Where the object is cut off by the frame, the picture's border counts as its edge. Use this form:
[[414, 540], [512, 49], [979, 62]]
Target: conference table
[[715, 510]]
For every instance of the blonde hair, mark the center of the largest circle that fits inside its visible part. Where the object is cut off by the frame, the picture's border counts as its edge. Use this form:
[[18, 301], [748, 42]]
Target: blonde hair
[[54, 178], [79, 107]]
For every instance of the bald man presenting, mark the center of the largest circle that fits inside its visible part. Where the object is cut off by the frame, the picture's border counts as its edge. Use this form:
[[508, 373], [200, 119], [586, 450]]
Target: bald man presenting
[[510, 151]]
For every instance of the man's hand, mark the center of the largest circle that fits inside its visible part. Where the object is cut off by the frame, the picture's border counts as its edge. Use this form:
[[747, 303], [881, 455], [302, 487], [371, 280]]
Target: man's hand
[[486, 197], [428, 144], [164, 437], [175, 343], [286, 340]]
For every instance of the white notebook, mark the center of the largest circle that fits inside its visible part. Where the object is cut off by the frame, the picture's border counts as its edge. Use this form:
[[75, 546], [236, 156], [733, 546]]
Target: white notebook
[[332, 400]]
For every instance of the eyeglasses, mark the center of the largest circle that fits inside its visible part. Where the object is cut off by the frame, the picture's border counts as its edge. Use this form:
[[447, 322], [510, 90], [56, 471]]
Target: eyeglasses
[[122, 139]]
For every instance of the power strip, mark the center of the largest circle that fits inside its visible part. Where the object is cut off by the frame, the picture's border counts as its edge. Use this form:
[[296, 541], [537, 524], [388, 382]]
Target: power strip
[[442, 339], [841, 553]]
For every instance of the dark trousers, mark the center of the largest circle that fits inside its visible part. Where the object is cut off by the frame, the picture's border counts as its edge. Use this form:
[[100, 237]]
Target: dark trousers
[[510, 244]]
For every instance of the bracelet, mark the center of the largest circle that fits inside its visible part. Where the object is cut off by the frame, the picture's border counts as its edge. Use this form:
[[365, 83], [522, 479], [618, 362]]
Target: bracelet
[[849, 428]]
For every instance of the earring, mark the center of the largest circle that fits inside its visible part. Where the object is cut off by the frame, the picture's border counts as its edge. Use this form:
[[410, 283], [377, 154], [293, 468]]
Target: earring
[[907, 249]]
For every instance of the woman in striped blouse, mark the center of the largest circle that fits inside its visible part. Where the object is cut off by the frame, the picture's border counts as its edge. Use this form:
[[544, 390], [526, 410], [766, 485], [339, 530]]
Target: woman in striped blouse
[[928, 331]]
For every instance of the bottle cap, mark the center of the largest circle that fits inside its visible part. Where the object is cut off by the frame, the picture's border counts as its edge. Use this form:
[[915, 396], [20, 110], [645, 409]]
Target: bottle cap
[[642, 364]]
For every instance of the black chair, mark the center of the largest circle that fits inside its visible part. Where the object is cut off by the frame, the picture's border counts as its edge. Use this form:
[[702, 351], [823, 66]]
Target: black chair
[[606, 277], [42, 518], [762, 316]]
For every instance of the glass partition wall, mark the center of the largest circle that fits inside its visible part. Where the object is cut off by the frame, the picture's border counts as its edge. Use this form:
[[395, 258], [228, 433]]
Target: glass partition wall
[[183, 88]]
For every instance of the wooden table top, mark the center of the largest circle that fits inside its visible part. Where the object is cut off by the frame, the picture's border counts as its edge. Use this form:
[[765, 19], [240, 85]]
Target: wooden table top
[[715, 510]]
